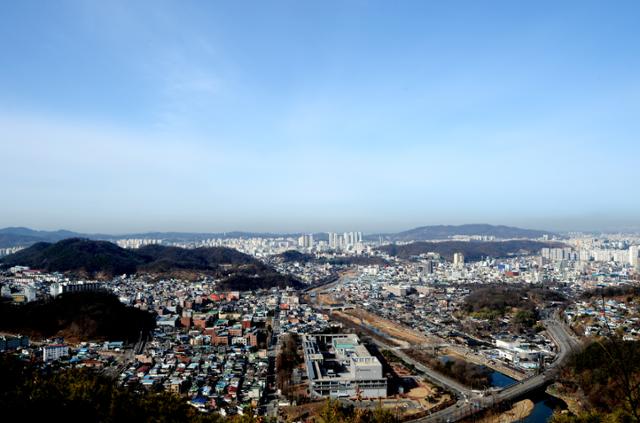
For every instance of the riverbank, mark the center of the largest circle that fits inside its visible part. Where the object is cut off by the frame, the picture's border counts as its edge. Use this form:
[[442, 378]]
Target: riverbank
[[574, 405], [467, 355], [519, 411]]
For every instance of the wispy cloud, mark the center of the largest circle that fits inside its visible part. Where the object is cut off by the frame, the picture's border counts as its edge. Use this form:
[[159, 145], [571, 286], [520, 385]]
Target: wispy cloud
[[183, 69]]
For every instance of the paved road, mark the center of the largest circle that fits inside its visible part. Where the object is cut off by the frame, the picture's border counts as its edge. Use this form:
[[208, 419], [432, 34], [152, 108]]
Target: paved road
[[271, 398], [432, 375]]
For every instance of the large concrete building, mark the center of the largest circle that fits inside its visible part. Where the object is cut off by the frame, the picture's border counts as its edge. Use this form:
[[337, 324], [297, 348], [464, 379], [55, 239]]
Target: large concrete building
[[54, 352], [62, 288], [340, 366]]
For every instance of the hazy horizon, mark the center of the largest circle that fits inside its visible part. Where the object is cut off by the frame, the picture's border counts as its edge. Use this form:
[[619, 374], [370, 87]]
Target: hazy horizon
[[630, 229], [121, 117]]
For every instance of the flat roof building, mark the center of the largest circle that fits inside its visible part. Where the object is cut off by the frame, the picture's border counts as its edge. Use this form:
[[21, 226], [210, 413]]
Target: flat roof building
[[340, 366], [57, 288], [54, 352]]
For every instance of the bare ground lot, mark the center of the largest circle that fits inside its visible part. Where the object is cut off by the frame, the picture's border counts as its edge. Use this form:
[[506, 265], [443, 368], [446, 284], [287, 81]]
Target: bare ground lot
[[518, 412], [404, 335]]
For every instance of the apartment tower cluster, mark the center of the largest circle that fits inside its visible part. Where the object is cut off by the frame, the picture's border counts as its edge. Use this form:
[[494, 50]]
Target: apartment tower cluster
[[346, 240]]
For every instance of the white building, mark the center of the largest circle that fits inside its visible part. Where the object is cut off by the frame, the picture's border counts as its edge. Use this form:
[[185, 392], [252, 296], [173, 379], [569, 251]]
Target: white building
[[306, 241], [518, 352], [398, 290], [339, 366], [559, 254], [62, 288], [458, 260], [54, 352], [345, 241], [30, 293], [5, 291], [633, 256]]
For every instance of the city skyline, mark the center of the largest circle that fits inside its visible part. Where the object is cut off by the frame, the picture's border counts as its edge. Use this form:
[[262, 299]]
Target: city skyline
[[291, 117]]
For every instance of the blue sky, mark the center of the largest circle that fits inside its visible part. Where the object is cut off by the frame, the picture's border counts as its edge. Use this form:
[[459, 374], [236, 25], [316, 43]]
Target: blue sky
[[301, 116]]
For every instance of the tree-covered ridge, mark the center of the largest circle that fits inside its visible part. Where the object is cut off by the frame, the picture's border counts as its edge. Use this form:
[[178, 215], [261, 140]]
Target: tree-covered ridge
[[102, 259], [290, 256], [605, 375], [77, 255], [335, 412], [498, 300], [82, 315], [83, 255]]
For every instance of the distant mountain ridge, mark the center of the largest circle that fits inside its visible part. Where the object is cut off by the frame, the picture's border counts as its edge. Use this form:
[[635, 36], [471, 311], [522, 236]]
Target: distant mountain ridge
[[24, 237], [103, 259], [442, 232], [18, 236]]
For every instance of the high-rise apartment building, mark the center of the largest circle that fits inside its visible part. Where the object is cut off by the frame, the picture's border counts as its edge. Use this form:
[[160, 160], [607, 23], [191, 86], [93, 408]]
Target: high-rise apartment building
[[344, 240], [633, 256], [306, 241], [458, 259]]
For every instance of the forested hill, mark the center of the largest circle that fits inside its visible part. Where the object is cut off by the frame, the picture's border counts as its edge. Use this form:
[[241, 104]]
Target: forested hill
[[103, 259], [81, 316], [77, 255]]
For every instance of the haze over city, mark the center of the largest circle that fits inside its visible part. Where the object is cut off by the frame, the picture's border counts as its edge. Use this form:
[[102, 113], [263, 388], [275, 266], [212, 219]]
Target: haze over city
[[298, 116]]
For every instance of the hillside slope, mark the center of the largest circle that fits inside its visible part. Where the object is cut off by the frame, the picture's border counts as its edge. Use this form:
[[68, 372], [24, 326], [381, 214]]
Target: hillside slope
[[81, 316], [102, 259]]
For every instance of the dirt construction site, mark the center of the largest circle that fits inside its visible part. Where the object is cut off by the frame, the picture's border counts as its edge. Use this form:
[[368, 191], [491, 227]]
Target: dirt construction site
[[403, 335]]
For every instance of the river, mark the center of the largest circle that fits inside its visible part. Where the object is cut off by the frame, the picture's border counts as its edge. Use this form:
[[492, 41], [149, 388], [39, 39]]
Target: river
[[544, 404]]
